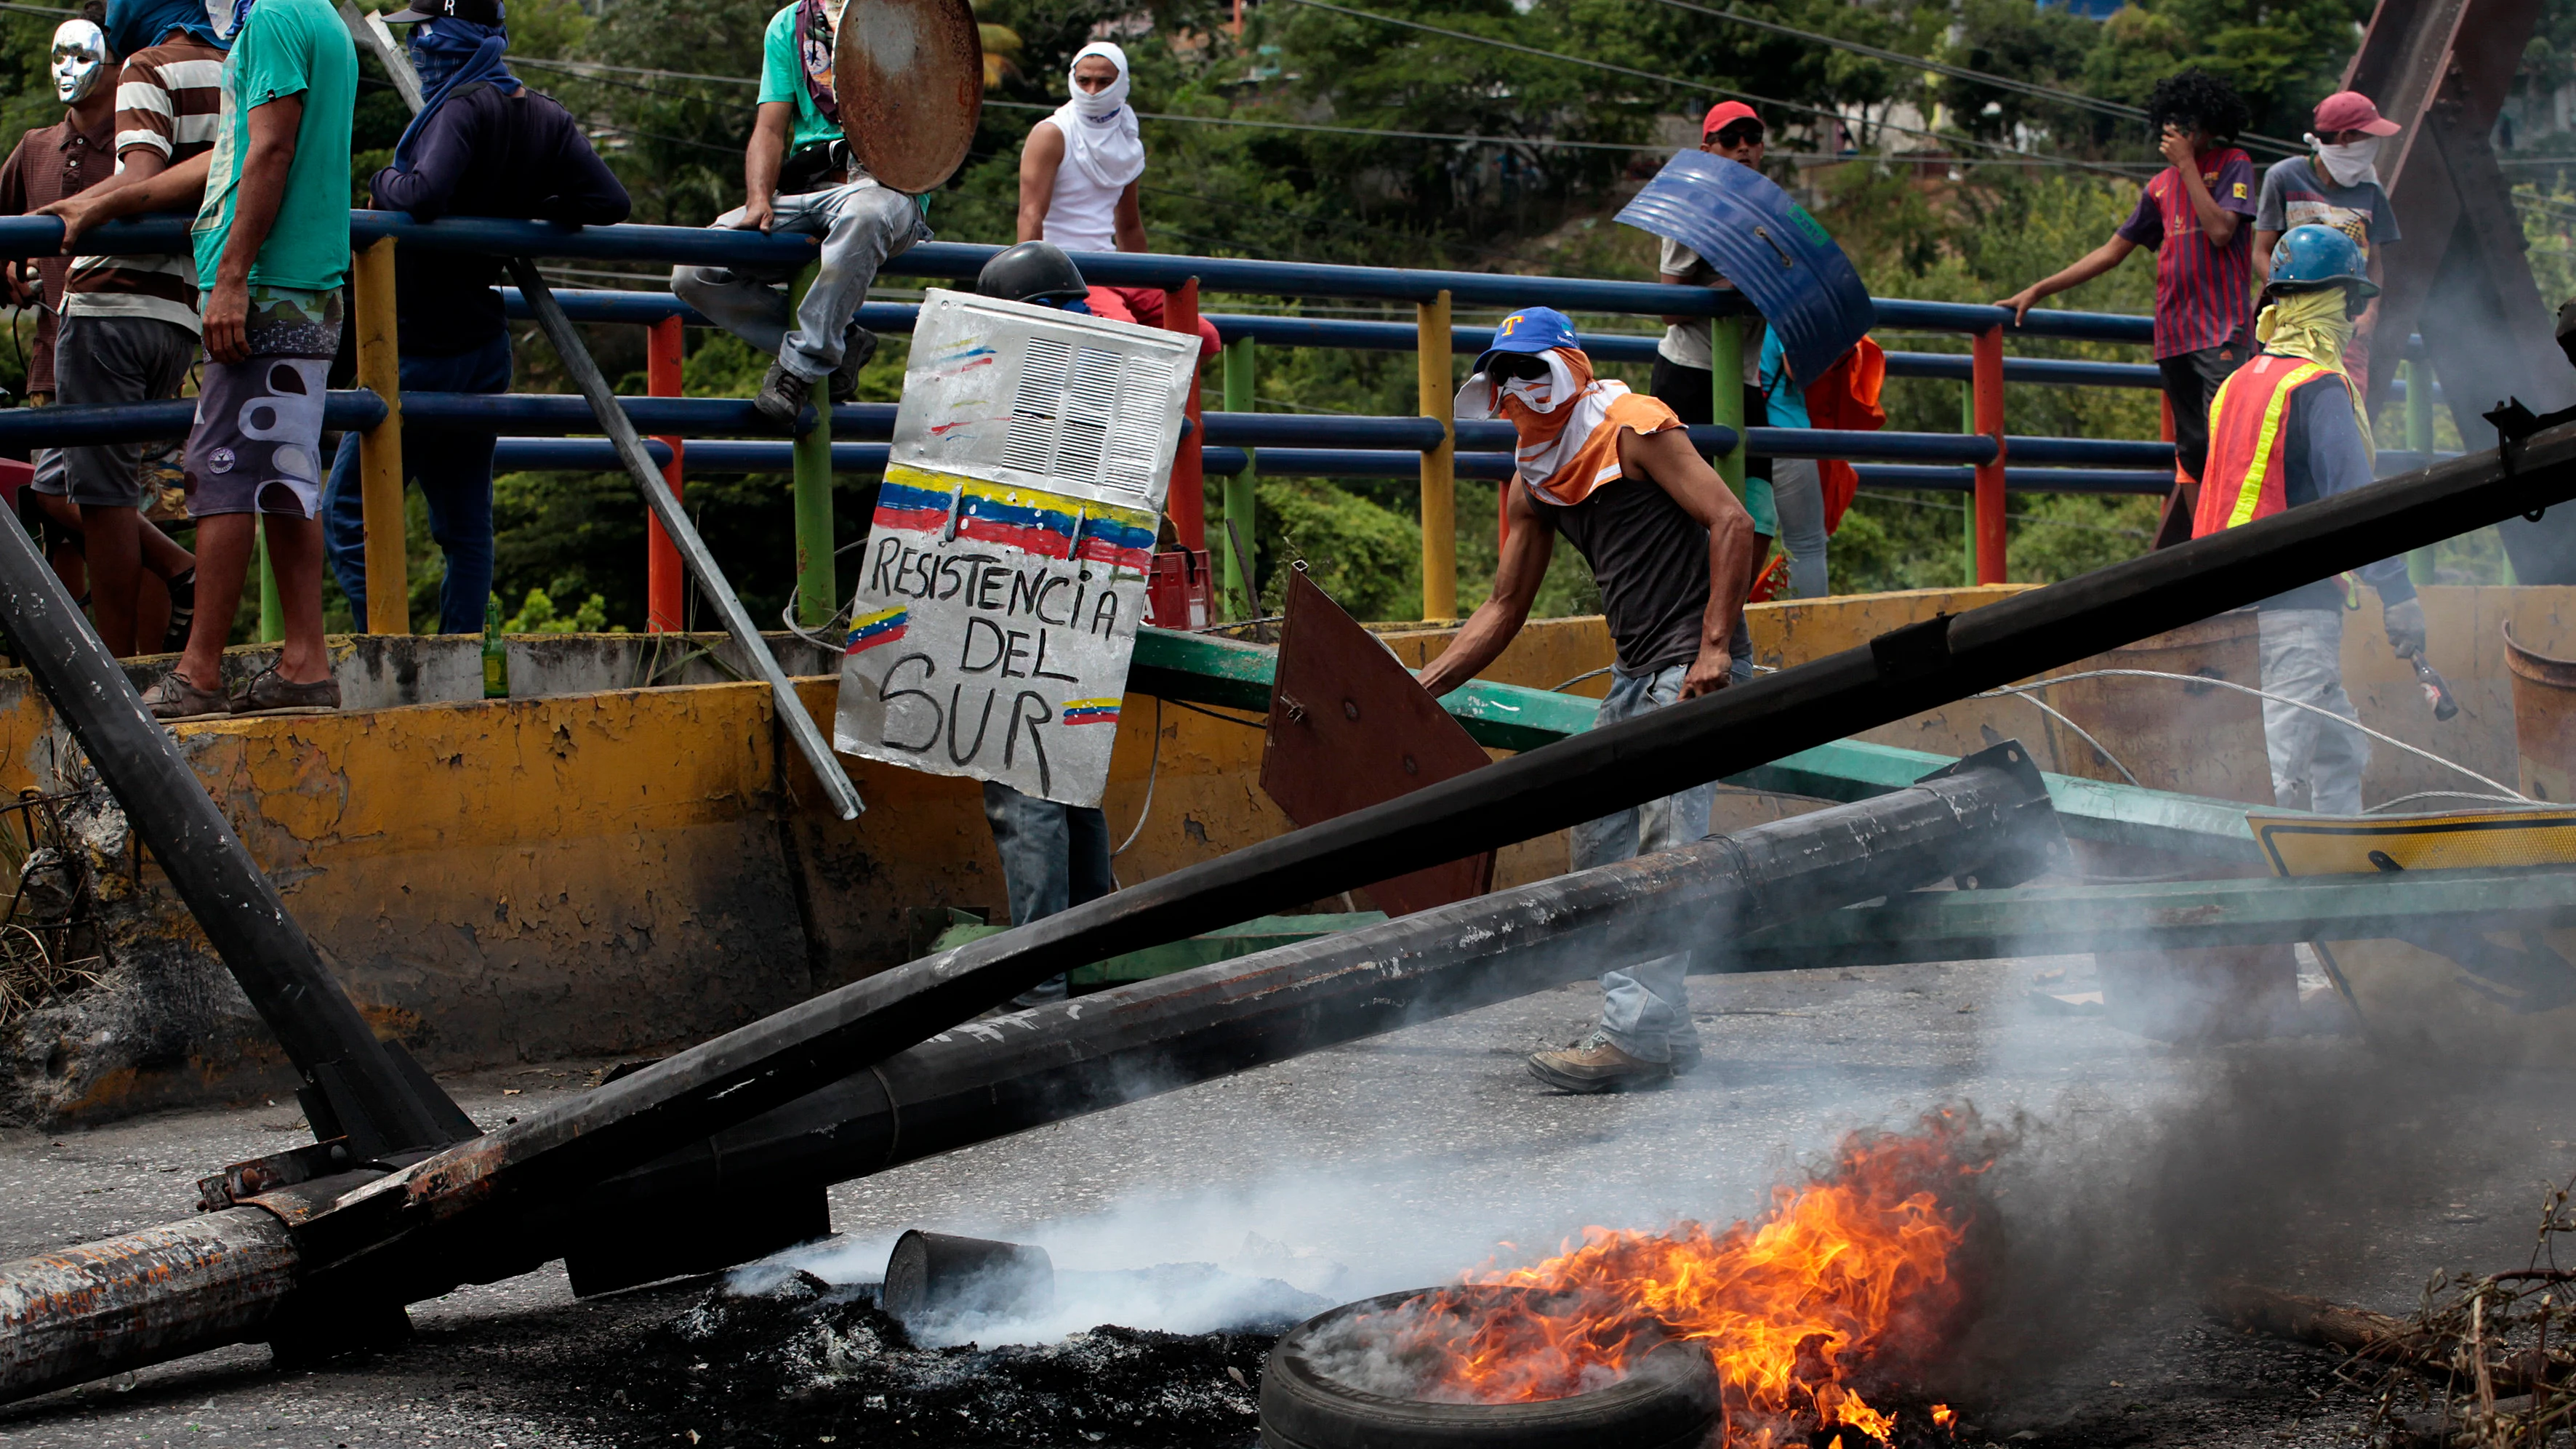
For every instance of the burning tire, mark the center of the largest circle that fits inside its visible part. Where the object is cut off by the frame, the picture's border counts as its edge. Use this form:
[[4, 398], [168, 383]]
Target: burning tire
[[1668, 1399]]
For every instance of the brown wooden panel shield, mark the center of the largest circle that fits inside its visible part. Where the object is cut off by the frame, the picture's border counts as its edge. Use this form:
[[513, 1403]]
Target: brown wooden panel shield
[[909, 75], [1349, 728]]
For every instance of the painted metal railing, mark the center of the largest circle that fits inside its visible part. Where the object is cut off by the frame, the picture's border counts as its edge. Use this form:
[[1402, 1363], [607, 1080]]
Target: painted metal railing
[[1981, 460]]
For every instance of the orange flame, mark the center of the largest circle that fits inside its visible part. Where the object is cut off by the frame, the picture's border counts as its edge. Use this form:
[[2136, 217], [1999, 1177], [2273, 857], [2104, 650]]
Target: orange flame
[[1851, 1268]]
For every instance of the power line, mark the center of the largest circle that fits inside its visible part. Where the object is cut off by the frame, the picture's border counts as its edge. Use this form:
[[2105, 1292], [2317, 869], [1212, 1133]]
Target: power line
[[1959, 72], [1694, 87]]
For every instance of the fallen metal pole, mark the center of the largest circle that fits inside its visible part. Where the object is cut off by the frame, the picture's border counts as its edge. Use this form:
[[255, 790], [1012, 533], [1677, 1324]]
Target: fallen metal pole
[[700, 1092], [1988, 817], [354, 1087], [227, 1276], [675, 521]]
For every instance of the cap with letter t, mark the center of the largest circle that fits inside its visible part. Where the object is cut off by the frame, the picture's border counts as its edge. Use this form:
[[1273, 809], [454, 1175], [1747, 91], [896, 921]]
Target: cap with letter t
[[1531, 329]]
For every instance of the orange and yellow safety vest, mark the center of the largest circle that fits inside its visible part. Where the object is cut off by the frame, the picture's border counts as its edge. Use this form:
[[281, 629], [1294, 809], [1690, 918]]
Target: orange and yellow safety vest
[[2242, 480]]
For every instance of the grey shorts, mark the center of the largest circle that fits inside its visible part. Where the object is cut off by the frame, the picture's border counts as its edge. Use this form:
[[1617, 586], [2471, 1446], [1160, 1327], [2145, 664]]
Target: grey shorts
[[257, 443], [99, 360]]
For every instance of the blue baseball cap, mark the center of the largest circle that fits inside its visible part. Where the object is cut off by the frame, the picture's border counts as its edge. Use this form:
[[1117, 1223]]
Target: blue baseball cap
[[1531, 329]]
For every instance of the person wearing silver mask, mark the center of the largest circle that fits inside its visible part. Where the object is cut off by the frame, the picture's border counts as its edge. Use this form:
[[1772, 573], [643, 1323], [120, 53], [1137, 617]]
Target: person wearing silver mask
[[48, 164], [130, 329]]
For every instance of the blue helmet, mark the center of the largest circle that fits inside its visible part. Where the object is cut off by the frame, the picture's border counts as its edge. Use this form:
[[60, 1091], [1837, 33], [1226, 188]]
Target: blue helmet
[[2309, 258]]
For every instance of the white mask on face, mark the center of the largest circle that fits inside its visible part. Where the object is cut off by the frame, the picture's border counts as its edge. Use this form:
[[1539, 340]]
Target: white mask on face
[[1538, 394], [1103, 103], [2349, 164], [80, 60]]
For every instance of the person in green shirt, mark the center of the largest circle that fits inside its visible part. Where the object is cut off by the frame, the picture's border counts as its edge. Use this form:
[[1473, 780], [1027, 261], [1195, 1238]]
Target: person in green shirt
[[798, 176], [272, 231]]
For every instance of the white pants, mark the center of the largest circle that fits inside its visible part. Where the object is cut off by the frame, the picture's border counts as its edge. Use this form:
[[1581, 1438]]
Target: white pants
[[2316, 763]]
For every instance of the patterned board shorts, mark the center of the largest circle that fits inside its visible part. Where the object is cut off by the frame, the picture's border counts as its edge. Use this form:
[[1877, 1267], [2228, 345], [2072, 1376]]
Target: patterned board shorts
[[257, 443]]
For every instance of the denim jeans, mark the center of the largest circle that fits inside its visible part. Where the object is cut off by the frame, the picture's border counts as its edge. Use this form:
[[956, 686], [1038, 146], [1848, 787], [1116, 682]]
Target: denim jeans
[[2316, 763], [861, 225], [454, 470], [1054, 857], [1645, 1007], [1798, 501]]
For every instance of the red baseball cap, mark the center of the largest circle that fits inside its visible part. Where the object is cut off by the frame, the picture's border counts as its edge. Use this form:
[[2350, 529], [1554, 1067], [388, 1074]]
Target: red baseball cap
[[1727, 113], [2352, 111]]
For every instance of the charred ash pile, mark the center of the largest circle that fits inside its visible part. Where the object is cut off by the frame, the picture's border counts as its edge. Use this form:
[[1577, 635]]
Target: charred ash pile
[[809, 1359]]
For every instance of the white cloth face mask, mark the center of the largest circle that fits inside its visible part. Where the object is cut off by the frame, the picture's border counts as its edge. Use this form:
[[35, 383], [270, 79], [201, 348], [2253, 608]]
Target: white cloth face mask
[[1103, 103], [2351, 163], [80, 60], [1538, 394]]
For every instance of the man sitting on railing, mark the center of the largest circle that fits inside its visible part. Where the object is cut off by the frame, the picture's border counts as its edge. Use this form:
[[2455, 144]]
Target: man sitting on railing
[[272, 231], [1672, 550], [798, 176], [484, 144]]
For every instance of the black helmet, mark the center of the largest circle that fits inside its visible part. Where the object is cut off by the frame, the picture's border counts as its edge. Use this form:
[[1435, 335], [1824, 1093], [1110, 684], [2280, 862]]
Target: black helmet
[[1033, 271]]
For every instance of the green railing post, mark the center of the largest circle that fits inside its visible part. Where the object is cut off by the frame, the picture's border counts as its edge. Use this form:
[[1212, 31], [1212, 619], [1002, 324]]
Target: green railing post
[[817, 583], [2419, 441], [1236, 544], [1726, 392], [272, 608]]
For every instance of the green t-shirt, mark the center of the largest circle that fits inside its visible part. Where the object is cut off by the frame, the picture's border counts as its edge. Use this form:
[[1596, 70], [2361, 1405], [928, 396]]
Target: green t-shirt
[[286, 47], [782, 78]]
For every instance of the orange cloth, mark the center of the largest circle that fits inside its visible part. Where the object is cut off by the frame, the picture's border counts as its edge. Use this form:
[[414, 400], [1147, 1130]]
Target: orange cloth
[[1573, 447]]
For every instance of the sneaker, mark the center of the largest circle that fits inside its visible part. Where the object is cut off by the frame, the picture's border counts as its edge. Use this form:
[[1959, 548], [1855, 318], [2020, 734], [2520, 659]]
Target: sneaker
[[172, 698], [1594, 1065], [783, 396], [183, 612], [270, 692], [857, 346]]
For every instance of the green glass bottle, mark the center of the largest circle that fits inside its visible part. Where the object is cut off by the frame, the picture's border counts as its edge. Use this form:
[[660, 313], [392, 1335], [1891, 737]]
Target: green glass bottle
[[496, 662]]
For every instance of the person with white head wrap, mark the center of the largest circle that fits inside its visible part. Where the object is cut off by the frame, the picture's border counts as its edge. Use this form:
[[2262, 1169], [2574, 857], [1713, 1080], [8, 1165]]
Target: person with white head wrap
[[2337, 185], [1079, 177]]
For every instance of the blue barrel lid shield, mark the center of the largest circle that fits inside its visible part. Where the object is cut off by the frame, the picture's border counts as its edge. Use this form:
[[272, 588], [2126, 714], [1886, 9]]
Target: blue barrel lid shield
[[1742, 223]]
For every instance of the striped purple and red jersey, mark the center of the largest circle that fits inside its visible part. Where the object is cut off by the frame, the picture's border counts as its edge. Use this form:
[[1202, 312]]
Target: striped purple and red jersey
[[2204, 293]]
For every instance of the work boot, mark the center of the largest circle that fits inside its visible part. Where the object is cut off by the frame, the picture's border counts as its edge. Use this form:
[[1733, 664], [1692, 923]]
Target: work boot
[[270, 692], [172, 698], [1594, 1065], [783, 396], [857, 346]]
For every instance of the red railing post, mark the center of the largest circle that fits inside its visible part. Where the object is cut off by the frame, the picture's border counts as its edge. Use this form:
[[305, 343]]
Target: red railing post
[[665, 588], [1986, 381], [1187, 503]]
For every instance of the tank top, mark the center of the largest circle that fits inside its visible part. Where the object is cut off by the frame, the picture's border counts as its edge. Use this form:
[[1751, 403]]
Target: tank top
[[1082, 215], [1651, 561]]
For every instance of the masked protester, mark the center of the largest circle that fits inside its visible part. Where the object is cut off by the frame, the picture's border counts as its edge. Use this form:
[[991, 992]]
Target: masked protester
[[2192, 215], [1078, 177], [130, 329], [48, 164], [1672, 550], [2337, 185], [2288, 429], [483, 144], [272, 250], [1054, 856], [798, 177]]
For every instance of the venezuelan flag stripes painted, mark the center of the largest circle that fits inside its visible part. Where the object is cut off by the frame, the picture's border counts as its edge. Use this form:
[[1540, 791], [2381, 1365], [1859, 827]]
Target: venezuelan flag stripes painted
[[911, 507], [1089, 711], [1122, 540], [1020, 518], [882, 627]]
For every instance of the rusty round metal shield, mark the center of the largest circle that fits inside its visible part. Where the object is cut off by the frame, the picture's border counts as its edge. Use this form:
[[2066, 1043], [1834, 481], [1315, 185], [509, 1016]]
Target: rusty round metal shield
[[909, 75]]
